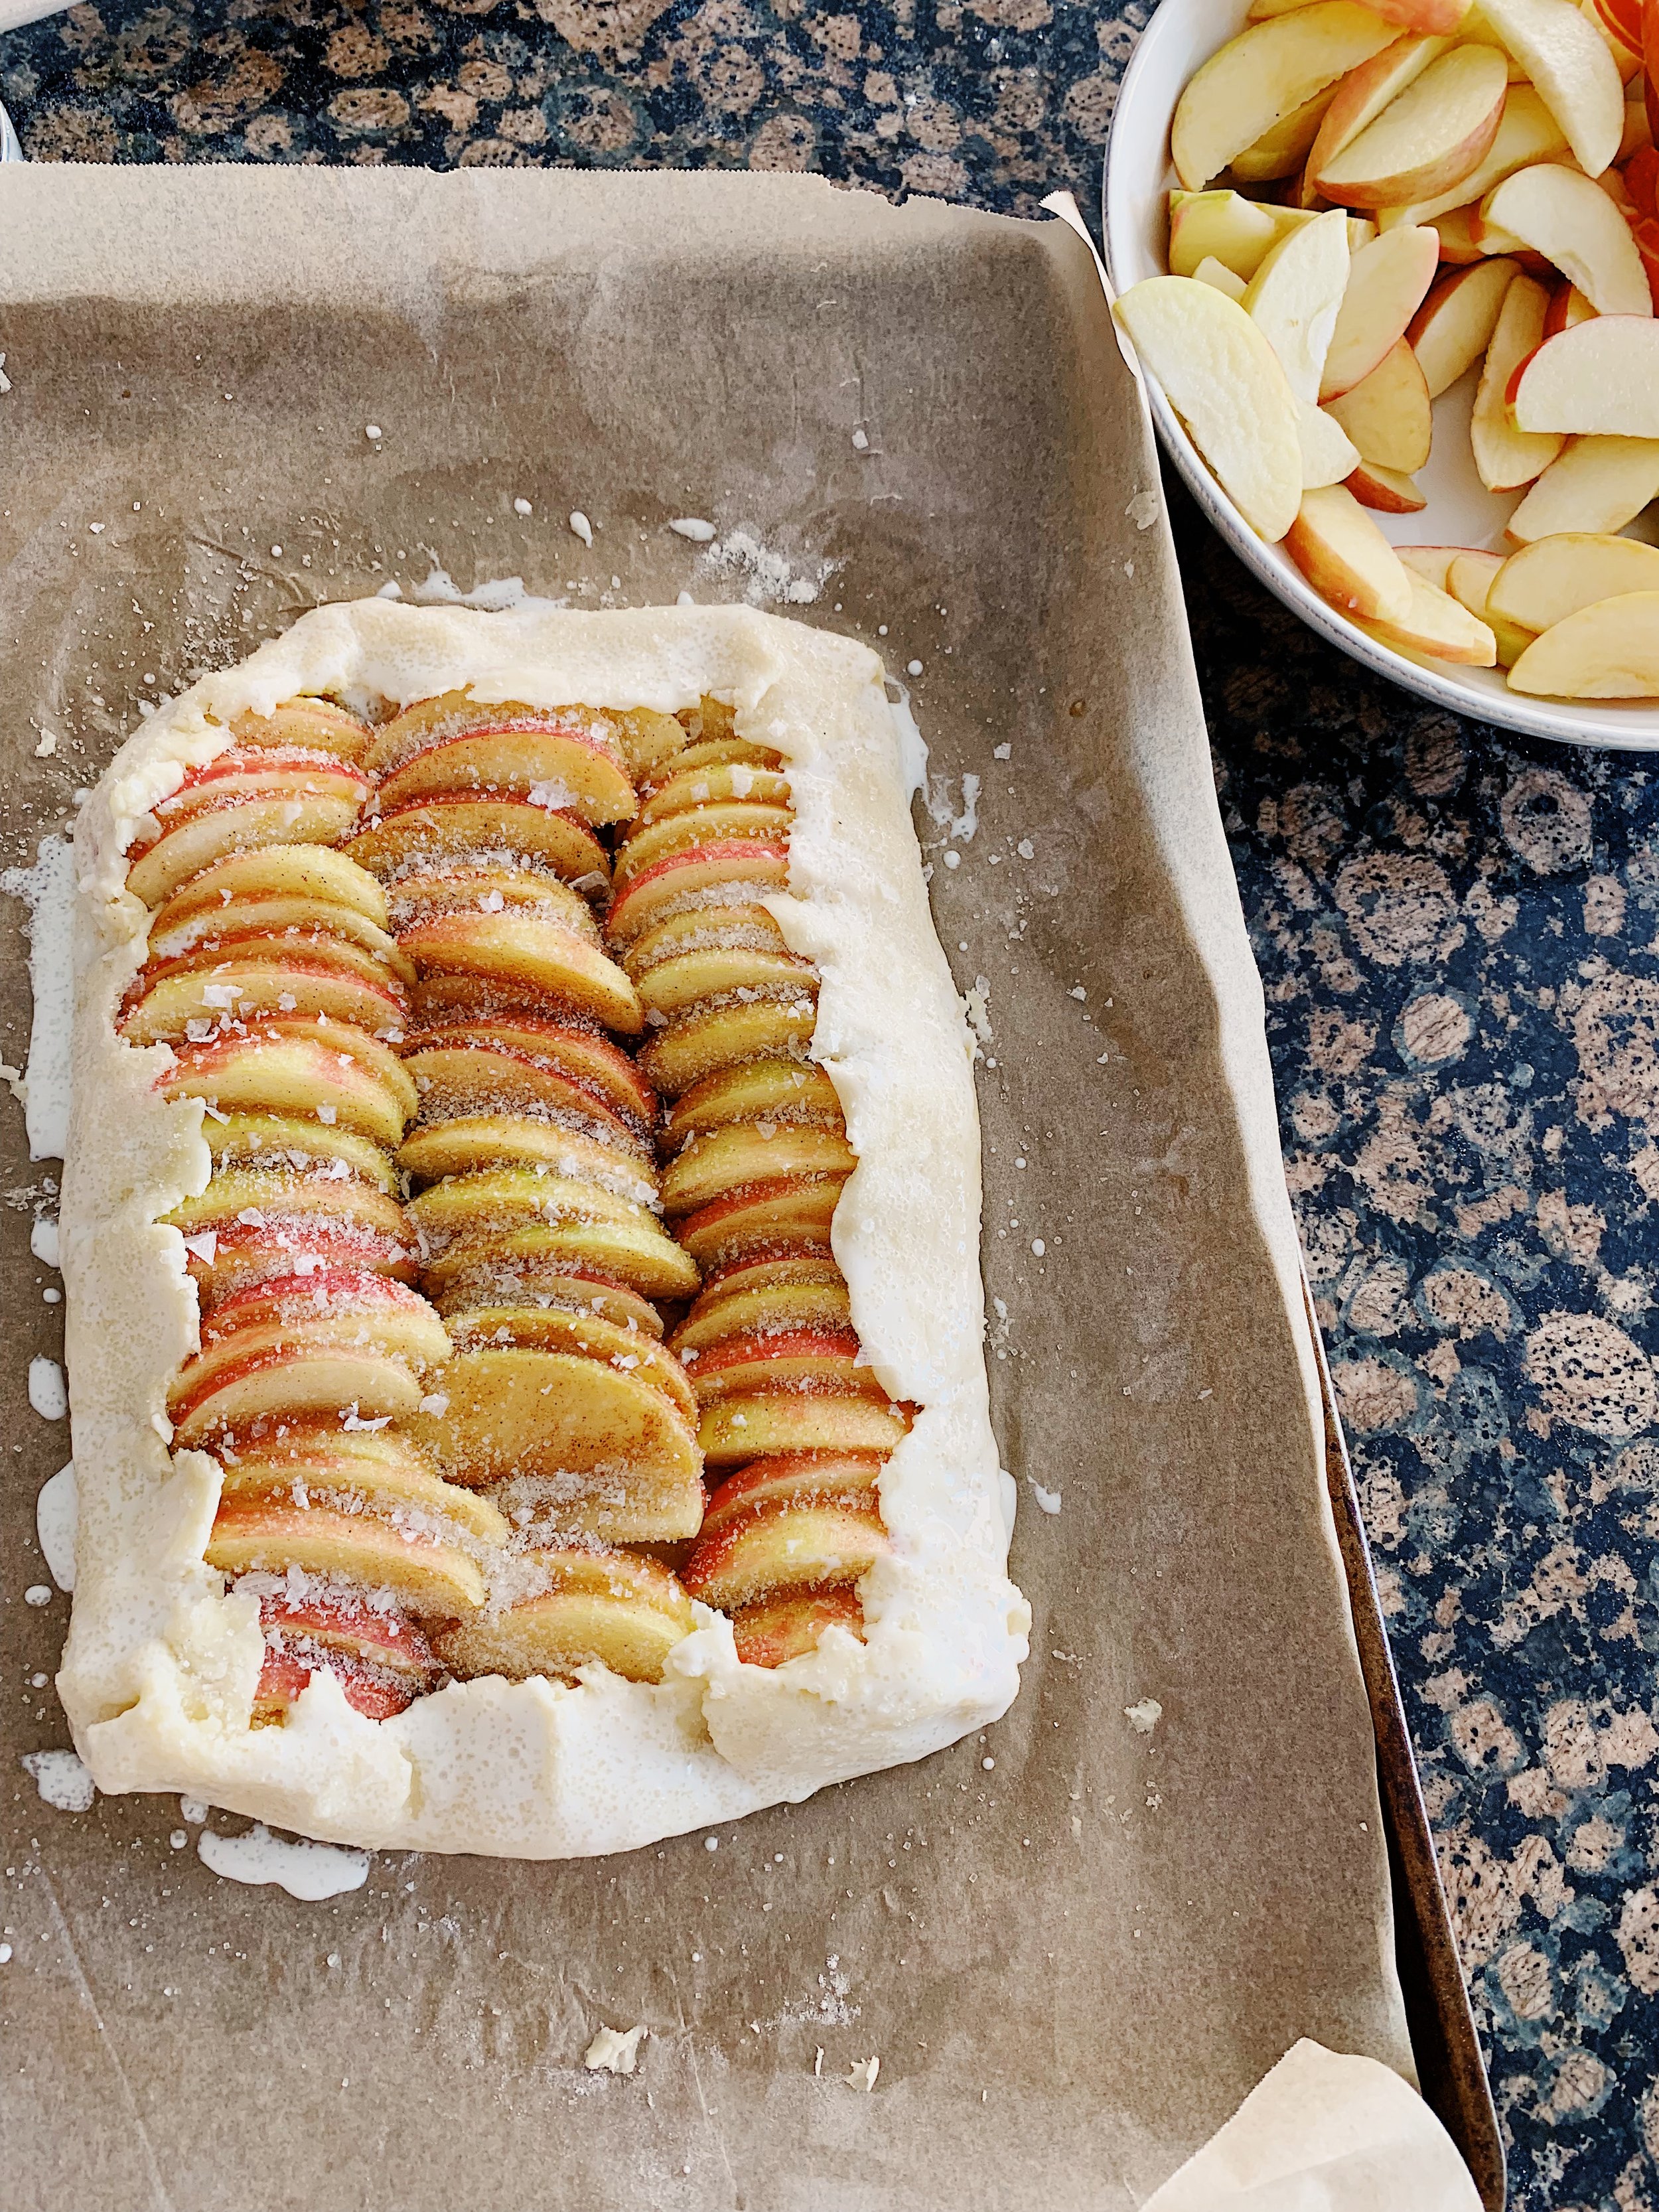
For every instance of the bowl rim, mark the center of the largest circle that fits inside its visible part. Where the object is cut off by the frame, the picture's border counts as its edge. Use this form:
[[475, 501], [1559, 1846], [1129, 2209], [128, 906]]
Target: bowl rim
[[1507, 710]]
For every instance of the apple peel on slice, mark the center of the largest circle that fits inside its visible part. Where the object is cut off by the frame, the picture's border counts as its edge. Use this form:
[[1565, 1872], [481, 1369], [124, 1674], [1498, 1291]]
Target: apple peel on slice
[[1295, 296], [1452, 329], [1346, 557], [1546, 582], [1387, 281], [1609, 650], [1439, 627], [1387, 413], [1598, 379], [1264, 74], [1439, 130], [1528, 132], [1224, 381], [1364, 93], [1562, 215], [1390, 491], [1504, 457]]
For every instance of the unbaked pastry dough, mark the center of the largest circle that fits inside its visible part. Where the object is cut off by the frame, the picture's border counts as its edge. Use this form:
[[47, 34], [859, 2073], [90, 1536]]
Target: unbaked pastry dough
[[161, 1664]]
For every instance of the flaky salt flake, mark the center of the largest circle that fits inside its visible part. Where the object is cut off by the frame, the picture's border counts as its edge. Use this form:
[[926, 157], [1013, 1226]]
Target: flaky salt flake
[[436, 1403], [581, 527], [522, 507], [47, 746], [861, 2074], [860, 442], [694, 527], [1144, 1716], [373, 430], [1142, 509], [1077, 991], [614, 2050], [1002, 752], [61, 1780]]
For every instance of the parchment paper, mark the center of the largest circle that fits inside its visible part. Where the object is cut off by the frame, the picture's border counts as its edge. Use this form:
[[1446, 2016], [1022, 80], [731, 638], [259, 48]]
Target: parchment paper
[[1075, 1962]]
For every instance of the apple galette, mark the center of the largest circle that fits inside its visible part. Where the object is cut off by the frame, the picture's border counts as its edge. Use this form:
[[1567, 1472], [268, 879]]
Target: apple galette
[[521, 1235]]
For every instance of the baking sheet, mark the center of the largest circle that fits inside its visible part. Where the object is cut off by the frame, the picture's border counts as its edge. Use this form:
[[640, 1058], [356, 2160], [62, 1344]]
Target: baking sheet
[[1076, 1943]]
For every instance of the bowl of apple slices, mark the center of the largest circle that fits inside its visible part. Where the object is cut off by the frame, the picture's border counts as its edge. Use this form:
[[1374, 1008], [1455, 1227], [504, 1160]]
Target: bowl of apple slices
[[1389, 272]]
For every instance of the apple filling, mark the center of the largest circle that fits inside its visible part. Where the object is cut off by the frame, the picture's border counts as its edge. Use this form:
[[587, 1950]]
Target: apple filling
[[446, 1209]]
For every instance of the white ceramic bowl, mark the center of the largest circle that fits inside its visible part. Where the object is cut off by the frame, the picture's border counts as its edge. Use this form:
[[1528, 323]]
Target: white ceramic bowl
[[1460, 511]]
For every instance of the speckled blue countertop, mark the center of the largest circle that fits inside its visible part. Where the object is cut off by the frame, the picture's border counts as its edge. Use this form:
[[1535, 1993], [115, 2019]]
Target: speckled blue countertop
[[1459, 938]]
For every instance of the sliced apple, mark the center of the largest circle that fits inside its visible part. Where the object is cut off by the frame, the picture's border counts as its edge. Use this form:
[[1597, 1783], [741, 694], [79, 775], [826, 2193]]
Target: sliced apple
[[287, 1143], [302, 806], [608, 1452], [695, 929], [1469, 581], [733, 821], [469, 1142], [853, 1478], [552, 1327], [766, 1214], [1263, 76], [786, 1546], [1598, 379], [1504, 457], [730, 782], [1598, 484], [763, 1091], [1282, 150], [452, 823], [377, 1469], [1568, 306], [785, 1262], [1295, 296], [1569, 62], [290, 875], [427, 1575], [634, 1255], [1562, 215], [686, 878], [296, 1068], [1364, 93], [280, 1382], [380, 1659], [580, 1056], [1546, 582], [528, 948], [1609, 650], [469, 1206], [1386, 490], [255, 1197], [722, 1035], [1527, 132], [1220, 225], [772, 1307], [1452, 329], [529, 1280], [457, 1077], [1346, 557], [1223, 379], [1387, 413], [1386, 285], [807, 1358], [173, 1005], [1440, 627], [1455, 232], [775, 1630], [229, 1256], [1212, 271], [1431, 15], [296, 924], [722, 1161], [315, 725], [1431, 562], [608, 1609], [1431, 135]]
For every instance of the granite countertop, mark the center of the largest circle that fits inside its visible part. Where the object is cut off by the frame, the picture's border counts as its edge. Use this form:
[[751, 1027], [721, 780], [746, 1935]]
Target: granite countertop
[[1459, 938]]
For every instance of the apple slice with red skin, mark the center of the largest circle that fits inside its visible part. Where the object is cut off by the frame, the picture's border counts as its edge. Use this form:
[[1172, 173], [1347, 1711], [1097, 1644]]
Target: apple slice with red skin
[[1452, 329], [715, 1165], [1266, 73], [586, 1335], [453, 826], [1362, 96], [777, 1308], [854, 1478], [793, 1264], [1567, 306], [305, 1318], [460, 1079], [1388, 280], [600, 1609], [249, 990], [381, 1470], [733, 822], [1389, 491], [312, 875], [574, 1051], [315, 726], [367, 1689], [280, 1383], [1436, 131], [468, 1205], [1559, 212], [723, 784], [1440, 628], [713, 753], [570, 768], [756, 1091], [285, 1067], [689, 876], [232, 1257], [822, 1543], [228, 824], [1387, 413], [1624, 19], [261, 1535], [725, 1033], [738, 1429], [695, 929], [1642, 181], [456, 713], [791, 1206], [259, 772], [775, 1630], [381, 1660], [615, 1456], [464, 1144], [674, 986], [1346, 557], [285, 924], [288, 1145], [528, 1282], [646, 1263], [1504, 459], [529, 950], [806, 1359], [252, 1197]]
